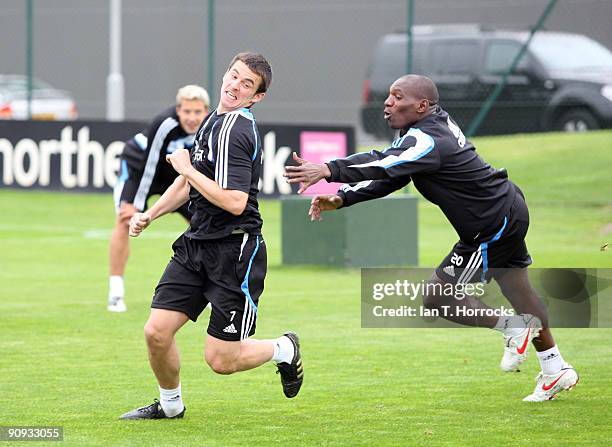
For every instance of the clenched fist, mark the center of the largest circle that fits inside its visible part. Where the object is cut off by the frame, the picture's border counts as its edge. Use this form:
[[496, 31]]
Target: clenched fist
[[139, 222]]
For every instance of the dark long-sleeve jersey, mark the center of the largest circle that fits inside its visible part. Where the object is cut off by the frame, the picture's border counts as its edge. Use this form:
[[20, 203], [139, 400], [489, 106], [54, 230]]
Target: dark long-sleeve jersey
[[444, 167], [145, 153], [227, 150]]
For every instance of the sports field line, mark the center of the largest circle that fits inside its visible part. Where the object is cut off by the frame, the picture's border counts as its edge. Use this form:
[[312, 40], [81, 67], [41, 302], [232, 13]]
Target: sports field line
[[65, 233]]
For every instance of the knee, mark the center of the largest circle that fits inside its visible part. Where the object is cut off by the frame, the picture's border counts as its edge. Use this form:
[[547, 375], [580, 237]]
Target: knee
[[122, 223], [432, 293], [123, 220], [156, 337], [219, 363], [126, 211], [430, 301]]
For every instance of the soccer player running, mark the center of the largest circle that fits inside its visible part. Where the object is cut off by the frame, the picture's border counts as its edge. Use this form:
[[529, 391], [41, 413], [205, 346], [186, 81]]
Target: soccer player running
[[221, 258], [144, 172], [486, 209]]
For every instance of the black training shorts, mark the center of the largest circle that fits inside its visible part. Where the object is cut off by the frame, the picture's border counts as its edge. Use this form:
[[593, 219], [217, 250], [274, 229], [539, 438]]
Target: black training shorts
[[228, 273], [504, 248]]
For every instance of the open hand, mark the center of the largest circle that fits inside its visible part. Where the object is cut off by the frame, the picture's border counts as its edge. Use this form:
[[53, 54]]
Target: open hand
[[305, 173], [324, 202]]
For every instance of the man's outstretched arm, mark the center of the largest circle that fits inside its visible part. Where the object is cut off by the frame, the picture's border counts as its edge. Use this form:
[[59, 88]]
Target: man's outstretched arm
[[370, 190], [413, 154], [349, 195], [307, 173]]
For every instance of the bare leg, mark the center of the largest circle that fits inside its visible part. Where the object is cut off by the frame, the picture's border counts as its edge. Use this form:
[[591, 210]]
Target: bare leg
[[227, 357], [119, 247], [432, 301], [516, 287], [163, 352]]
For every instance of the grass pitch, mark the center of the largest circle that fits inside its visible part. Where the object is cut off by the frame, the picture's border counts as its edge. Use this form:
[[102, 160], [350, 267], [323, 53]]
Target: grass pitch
[[65, 360]]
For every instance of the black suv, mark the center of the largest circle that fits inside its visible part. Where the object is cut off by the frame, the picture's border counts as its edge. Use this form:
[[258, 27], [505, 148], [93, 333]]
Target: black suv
[[562, 82]]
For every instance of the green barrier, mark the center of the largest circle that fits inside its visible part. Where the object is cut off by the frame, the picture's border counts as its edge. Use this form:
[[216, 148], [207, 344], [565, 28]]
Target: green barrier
[[376, 233]]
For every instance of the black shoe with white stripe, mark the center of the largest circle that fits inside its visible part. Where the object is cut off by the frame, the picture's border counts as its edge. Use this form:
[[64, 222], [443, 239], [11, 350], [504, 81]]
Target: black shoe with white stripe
[[292, 374], [153, 411]]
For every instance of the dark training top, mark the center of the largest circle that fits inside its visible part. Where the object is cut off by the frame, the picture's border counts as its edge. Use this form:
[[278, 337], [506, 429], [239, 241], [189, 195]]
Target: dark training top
[[227, 150], [145, 153], [444, 168]]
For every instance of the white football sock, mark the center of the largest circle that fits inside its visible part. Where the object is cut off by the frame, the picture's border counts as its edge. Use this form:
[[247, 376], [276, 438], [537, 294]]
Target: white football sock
[[171, 401], [550, 361], [283, 350], [511, 326], [115, 286]]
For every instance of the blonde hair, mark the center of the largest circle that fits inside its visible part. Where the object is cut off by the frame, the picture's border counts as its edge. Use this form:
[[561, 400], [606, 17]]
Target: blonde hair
[[191, 92]]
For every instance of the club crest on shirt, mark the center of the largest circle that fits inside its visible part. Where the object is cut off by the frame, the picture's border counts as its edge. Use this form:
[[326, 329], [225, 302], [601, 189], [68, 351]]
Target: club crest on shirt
[[198, 152]]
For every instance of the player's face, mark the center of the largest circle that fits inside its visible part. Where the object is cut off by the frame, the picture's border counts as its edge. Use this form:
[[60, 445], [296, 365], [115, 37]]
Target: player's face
[[402, 109], [191, 113], [239, 88]]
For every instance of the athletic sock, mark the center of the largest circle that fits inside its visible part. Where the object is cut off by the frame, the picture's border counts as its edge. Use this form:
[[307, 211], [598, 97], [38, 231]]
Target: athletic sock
[[171, 401], [283, 350], [550, 361], [510, 326], [115, 286]]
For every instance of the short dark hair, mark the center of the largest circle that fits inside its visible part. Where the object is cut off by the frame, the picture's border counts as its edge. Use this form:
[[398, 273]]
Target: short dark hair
[[421, 87], [258, 64]]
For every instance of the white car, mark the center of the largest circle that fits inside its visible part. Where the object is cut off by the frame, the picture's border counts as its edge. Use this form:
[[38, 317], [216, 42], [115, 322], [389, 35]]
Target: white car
[[48, 103]]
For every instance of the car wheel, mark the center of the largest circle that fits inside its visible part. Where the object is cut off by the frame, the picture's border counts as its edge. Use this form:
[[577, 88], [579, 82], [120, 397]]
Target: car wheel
[[577, 120]]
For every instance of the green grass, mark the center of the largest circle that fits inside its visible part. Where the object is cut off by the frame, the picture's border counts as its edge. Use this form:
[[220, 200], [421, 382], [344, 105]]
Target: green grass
[[64, 360]]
